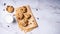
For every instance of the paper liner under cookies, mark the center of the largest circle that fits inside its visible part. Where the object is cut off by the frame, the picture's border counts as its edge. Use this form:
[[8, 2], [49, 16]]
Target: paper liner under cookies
[[31, 20]]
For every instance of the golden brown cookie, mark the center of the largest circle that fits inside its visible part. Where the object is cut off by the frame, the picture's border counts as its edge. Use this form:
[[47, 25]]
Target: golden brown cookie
[[19, 16], [10, 9]]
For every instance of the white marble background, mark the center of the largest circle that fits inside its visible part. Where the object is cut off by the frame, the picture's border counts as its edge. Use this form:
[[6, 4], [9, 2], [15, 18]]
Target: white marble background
[[46, 12]]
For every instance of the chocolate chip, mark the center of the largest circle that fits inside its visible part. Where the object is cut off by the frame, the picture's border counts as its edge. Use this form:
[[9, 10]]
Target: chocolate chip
[[38, 18], [8, 26], [3, 9], [33, 21], [4, 4], [30, 23], [36, 9]]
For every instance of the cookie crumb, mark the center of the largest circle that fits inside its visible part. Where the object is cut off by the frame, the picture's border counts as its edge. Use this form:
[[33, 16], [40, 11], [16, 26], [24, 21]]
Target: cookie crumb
[[8, 26], [3, 9], [38, 18]]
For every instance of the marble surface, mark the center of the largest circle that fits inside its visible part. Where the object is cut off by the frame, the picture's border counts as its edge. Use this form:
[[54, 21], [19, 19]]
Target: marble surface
[[46, 13]]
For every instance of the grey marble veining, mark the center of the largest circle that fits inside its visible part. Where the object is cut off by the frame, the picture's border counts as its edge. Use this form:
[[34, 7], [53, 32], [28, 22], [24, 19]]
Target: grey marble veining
[[46, 13]]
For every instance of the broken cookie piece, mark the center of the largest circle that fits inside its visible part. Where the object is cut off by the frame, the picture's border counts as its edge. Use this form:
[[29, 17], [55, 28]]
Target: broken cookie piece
[[23, 9], [27, 15], [24, 22], [10, 9]]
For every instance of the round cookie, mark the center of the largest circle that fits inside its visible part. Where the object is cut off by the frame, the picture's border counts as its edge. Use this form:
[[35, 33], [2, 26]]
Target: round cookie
[[10, 9]]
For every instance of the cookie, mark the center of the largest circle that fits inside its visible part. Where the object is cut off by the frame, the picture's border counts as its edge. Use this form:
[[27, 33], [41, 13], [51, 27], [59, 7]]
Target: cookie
[[10, 9], [19, 16]]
